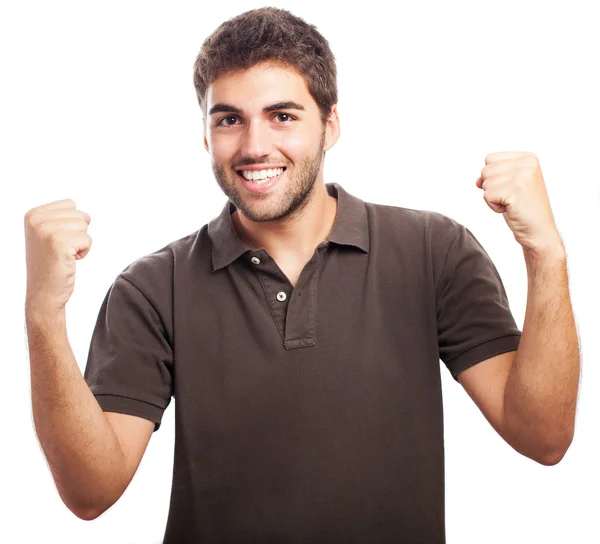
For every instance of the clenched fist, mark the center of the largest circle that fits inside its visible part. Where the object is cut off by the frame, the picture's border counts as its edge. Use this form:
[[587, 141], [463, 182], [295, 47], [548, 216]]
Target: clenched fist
[[55, 238]]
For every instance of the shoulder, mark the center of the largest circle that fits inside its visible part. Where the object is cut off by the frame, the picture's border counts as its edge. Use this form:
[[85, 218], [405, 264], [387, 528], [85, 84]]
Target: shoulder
[[155, 270], [432, 228]]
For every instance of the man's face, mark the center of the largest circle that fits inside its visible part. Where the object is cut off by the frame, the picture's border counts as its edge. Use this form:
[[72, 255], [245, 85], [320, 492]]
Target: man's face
[[254, 124]]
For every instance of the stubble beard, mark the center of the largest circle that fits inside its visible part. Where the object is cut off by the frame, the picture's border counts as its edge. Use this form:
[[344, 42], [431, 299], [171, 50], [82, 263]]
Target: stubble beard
[[298, 190]]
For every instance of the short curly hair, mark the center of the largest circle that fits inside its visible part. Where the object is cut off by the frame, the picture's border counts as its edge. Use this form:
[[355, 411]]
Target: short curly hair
[[270, 35]]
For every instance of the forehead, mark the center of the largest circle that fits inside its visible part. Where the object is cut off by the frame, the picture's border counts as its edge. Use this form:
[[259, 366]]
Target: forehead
[[259, 85]]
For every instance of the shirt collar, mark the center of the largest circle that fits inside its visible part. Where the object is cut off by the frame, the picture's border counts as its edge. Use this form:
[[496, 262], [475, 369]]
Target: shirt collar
[[350, 227]]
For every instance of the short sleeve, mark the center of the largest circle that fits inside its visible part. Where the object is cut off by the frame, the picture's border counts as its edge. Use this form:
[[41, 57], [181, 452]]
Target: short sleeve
[[474, 320], [130, 361]]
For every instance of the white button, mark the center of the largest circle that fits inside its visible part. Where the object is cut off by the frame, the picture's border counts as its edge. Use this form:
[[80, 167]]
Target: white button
[[281, 296], [255, 260]]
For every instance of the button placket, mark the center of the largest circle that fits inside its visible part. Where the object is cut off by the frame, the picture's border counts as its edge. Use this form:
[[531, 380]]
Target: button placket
[[274, 284], [292, 307], [300, 320]]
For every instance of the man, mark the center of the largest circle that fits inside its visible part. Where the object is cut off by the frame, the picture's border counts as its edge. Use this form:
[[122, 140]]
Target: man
[[300, 331]]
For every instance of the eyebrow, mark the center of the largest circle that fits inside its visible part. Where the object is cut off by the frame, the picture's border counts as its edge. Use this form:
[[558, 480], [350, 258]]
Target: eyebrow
[[227, 108]]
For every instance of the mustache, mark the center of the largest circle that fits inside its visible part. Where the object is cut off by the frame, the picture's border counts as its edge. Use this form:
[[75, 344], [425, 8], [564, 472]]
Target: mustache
[[254, 163]]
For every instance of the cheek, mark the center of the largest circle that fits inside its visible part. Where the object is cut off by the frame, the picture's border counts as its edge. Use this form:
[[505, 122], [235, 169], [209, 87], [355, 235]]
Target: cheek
[[294, 145], [222, 150]]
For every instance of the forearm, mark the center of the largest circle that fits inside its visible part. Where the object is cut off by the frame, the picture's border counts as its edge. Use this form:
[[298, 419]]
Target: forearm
[[82, 450], [541, 391]]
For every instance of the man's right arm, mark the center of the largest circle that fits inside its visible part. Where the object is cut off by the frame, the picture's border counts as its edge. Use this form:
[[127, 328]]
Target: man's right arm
[[85, 456]]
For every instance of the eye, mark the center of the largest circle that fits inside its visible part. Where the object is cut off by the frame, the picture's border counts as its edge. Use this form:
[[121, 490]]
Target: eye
[[286, 119], [289, 117], [220, 123]]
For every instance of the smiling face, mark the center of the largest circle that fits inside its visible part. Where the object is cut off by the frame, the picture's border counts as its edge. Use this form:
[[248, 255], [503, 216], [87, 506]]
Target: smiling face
[[260, 121]]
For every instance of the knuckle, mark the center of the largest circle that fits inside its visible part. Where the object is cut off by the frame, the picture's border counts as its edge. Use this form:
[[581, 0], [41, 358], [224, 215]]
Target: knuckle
[[531, 160], [44, 229], [50, 233], [30, 218]]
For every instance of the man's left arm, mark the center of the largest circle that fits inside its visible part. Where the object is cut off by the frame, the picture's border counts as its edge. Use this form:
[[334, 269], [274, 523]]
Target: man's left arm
[[530, 396], [541, 391]]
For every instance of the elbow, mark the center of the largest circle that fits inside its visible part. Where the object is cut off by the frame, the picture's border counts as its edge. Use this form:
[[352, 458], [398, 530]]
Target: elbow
[[547, 448], [86, 512], [555, 454], [551, 459], [86, 515], [83, 511], [90, 514]]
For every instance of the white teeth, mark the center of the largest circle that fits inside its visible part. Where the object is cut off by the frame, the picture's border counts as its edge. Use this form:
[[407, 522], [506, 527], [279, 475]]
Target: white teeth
[[262, 175]]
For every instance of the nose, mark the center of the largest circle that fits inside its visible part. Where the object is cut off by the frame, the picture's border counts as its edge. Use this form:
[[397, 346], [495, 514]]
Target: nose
[[257, 140]]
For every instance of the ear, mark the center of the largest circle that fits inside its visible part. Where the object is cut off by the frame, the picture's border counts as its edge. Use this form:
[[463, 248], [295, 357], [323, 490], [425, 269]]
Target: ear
[[204, 130], [332, 130]]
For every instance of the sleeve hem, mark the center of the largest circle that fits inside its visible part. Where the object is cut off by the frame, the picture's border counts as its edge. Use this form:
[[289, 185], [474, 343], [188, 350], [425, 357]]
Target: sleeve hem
[[128, 405], [483, 352]]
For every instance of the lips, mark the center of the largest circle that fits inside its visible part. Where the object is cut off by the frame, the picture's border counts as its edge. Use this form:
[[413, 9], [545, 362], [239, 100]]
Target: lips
[[260, 187]]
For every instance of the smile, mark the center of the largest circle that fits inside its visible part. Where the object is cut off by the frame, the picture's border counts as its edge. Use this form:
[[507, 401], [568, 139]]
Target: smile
[[260, 181]]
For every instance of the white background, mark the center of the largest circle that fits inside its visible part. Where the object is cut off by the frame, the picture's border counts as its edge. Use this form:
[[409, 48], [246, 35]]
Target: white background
[[98, 105]]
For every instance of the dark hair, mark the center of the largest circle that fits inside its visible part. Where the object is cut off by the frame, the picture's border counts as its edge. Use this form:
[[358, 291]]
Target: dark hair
[[269, 35]]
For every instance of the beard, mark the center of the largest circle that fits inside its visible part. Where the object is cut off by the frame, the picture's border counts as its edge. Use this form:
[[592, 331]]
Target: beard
[[298, 192]]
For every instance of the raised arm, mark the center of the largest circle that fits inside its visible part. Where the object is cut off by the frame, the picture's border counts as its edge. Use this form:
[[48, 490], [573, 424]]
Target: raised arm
[[84, 454]]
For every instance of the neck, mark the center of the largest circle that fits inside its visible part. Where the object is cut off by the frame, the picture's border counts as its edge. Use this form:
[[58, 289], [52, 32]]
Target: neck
[[299, 234]]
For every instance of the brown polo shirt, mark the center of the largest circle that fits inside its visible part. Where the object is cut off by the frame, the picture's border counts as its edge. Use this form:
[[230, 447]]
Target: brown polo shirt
[[308, 414]]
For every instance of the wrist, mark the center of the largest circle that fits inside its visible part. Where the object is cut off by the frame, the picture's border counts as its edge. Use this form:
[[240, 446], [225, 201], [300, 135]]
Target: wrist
[[551, 251], [39, 312]]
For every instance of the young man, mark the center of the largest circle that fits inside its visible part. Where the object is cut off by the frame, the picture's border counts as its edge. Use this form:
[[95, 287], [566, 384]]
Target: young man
[[300, 332]]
